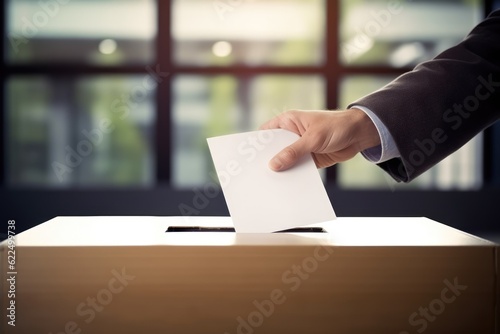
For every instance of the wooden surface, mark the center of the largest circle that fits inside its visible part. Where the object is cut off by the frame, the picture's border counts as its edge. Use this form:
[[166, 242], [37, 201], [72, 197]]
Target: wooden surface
[[319, 286]]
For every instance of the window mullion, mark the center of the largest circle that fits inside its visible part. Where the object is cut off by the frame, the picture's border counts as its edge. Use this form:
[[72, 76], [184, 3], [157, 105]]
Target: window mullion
[[163, 146]]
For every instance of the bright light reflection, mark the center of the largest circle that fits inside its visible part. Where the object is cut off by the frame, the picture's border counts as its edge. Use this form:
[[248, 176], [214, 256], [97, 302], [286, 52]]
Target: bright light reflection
[[407, 54], [222, 49], [107, 46]]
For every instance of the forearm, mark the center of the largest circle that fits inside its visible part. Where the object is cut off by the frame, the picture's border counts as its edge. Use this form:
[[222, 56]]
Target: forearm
[[443, 103]]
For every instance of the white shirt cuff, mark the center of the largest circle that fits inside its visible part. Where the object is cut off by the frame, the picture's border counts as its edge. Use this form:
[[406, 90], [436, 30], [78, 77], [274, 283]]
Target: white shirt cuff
[[387, 149]]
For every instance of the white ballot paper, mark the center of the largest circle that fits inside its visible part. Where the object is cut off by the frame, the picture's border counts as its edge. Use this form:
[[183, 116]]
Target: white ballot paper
[[259, 199]]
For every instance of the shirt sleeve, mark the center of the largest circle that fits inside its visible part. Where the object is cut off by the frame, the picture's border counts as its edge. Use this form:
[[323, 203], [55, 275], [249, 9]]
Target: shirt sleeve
[[387, 149]]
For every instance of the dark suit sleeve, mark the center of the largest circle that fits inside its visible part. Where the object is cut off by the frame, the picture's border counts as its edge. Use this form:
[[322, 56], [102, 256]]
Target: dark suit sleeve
[[439, 106]]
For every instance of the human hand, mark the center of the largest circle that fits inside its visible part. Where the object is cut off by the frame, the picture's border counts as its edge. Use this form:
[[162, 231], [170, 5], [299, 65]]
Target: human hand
[[331, 136]]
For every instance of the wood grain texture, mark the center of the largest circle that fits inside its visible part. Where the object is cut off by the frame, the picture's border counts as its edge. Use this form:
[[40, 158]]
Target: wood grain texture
[[214, 289]]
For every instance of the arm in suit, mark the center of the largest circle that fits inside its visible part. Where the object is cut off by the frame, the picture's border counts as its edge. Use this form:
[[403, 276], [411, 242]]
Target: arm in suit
[[440, 105]]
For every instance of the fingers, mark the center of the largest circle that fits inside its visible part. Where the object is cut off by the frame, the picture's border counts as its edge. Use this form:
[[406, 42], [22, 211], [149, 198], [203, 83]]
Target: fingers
[[271, 124], [287, 120], [294, 121], [289, 155]]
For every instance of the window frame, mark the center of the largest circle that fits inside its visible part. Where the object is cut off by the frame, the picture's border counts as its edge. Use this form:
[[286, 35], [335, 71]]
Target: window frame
[[332, 71]]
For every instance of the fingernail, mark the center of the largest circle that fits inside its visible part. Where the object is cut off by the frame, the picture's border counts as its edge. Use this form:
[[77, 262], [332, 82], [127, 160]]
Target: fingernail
[[276, 165]]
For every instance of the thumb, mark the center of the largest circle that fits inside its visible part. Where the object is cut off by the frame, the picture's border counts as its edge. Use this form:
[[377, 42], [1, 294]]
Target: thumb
[[289, 156]]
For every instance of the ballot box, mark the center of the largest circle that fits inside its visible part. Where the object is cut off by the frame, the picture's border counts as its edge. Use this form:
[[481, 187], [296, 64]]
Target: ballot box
[[195, 275]]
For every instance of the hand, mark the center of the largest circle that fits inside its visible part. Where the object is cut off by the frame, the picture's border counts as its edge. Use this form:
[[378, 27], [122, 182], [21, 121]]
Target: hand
[[331, 136]]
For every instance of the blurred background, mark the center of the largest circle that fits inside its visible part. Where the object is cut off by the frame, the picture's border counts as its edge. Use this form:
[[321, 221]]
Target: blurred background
[[107, 104]]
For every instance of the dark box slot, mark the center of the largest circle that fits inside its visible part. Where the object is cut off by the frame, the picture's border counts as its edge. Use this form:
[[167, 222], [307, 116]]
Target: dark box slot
[[231, 229]]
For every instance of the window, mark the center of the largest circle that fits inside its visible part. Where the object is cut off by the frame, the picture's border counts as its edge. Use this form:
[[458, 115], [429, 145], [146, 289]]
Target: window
[[276, 32], [107, 32], [123, 93], [78, 112], [402, 33], [73, 132]]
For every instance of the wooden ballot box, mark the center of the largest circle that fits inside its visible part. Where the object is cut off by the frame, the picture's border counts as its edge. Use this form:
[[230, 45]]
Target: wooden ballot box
[[351, 275]]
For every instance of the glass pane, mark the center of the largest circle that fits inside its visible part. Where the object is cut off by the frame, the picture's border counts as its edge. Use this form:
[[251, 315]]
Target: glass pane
[[207, 106], [276, 32], [403, 33], [461, 170], [92, 131], [107, 32]]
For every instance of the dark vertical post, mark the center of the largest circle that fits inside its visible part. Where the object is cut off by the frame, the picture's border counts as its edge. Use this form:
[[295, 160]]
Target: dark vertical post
[[332, 64], [3, 106], [163, 129]]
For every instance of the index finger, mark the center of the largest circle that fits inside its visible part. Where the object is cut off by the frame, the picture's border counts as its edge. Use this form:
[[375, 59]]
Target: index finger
[[271, 124], [286, 120]]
